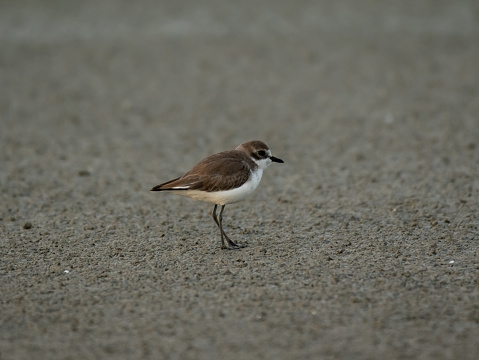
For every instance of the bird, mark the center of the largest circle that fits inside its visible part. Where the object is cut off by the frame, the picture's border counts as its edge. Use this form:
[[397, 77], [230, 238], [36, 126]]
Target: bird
[[222, 179]]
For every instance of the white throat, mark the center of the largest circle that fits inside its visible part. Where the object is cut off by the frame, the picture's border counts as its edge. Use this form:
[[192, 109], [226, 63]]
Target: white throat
[[263, 163]]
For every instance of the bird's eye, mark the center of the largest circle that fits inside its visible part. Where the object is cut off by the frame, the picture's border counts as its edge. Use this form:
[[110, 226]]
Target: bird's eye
[[261, 153]]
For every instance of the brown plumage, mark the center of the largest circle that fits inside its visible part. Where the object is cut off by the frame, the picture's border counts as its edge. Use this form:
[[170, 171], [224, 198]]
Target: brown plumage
[[224, 178], [223, 171]]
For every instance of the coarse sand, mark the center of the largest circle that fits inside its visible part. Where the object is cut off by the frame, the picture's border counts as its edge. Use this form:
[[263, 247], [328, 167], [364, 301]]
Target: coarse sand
[[363, 245]]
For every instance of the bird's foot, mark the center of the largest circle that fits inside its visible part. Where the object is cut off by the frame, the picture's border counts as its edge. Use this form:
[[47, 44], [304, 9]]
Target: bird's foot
[[231, 245]]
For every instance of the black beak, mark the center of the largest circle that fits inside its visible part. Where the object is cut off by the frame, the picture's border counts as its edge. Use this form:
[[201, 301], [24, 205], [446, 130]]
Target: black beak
[[274, 159]]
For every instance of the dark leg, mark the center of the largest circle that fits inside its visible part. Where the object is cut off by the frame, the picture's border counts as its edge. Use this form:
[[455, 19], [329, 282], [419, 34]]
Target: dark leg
[[214, 216], [231, 244], [223, 246]]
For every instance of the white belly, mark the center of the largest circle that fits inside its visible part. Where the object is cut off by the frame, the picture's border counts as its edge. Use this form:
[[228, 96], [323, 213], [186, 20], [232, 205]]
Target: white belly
[[227, 196]]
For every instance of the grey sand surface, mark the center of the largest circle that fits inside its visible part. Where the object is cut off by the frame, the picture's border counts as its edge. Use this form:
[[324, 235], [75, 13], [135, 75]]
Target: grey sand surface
[[363, 245]]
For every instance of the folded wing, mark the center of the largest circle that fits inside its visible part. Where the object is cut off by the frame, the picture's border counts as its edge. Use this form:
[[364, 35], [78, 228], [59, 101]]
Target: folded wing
[[222, 171]]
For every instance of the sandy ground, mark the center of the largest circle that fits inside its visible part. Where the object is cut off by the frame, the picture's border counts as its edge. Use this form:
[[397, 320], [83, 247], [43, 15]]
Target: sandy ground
[[363, 245]]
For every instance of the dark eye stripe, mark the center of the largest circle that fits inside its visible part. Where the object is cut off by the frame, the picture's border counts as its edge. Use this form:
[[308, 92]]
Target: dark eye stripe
[[261, 153]]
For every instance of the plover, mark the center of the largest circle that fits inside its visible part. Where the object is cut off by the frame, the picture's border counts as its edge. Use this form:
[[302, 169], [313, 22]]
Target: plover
[[224, 178]]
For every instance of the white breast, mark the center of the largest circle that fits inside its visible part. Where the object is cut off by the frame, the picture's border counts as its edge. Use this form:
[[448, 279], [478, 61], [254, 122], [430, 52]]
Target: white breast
[[226, 196]]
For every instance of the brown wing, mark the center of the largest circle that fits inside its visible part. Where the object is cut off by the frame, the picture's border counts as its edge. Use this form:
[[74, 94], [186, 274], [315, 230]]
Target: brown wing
[[222, 171], [163, 186]]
